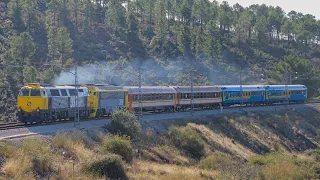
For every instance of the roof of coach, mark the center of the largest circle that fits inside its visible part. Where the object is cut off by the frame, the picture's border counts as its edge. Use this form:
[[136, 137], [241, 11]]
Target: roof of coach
[[283, 87], [244, 87], [183, 89], [150, 89]]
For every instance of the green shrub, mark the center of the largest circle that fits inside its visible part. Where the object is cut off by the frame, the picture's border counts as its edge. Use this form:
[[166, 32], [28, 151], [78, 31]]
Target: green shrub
[[109, 167], [124, 123], [187, 139], [118, 145], [215, 161]]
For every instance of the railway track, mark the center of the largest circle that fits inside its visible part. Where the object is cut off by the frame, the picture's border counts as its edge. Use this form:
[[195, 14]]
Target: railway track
[[11, 125], [16, 125]]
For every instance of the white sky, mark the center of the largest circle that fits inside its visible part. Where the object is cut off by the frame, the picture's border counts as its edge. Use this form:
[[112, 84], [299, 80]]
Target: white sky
[[303, 6]]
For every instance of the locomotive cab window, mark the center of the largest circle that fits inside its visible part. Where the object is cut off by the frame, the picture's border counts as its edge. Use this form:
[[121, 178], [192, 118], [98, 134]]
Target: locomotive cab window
[[72, 92], [64, 92], [35, 93], [54, 92], [24, 92]]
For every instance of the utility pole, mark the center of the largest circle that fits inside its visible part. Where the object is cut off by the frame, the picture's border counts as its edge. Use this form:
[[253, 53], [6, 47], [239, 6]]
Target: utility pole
[[286, 84], [140, 95], [192, 92], [76, 95], [241, 91]]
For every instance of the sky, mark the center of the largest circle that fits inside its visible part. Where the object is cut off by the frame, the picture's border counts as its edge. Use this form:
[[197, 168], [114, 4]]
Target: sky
[[303, 6]]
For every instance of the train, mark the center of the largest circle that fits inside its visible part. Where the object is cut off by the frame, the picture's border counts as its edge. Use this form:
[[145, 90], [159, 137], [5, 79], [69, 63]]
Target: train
[[47, 103]]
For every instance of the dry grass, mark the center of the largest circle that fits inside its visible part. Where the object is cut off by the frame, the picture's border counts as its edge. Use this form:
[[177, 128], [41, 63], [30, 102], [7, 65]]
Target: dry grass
[[153, 171], [165, 154], [221, 142], [287, 166], [33, 158], [74, 146], [170, 154]]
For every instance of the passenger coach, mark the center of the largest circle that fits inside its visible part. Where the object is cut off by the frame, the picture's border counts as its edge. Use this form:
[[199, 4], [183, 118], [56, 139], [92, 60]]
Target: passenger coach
[[154, 98], [251, 94], [282, 93], [203, 96]]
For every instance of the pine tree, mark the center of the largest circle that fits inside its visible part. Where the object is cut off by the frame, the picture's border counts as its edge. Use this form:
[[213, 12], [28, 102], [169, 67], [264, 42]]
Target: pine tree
[[212, 46], [54, 7], [60, 44], [30, 15], [116, 15], [15, 13]]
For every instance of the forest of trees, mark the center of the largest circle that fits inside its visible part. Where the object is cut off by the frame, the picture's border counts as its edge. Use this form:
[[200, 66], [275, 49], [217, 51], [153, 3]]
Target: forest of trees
[[177, 33]]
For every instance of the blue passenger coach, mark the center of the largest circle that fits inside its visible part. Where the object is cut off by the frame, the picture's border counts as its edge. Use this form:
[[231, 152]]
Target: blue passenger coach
[[281, 93], [251, 94]]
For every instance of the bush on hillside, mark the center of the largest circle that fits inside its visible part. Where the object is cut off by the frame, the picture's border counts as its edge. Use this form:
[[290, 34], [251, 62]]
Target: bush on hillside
[[109, 167], [124, 123], [187, 139], [118, 145], [216, 161]]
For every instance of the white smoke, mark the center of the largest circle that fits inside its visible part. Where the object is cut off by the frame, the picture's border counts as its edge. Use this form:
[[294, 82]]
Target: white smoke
[[154, 72]]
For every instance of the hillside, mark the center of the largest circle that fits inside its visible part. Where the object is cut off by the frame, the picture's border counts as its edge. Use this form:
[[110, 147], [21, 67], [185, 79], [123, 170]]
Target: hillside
[[255, 145], [41, 40]]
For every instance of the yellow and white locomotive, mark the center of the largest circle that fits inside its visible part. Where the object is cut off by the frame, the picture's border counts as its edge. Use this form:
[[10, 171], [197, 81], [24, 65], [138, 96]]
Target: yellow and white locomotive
[[49, 103]]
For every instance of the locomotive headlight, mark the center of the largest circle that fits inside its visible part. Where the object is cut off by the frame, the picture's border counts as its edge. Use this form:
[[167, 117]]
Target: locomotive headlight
[[19, 109], [38, 109]]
